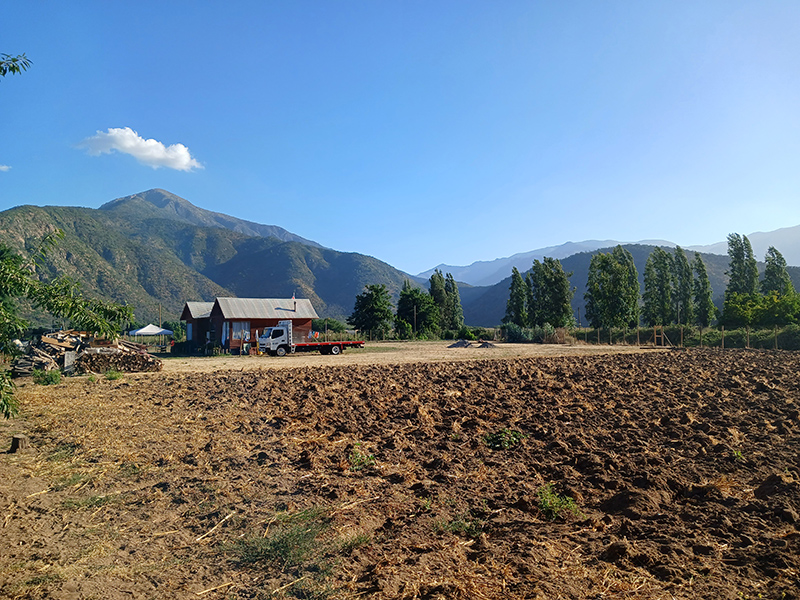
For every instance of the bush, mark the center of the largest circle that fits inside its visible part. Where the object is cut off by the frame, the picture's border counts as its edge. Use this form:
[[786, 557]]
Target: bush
[[533, 335], [46, 377]]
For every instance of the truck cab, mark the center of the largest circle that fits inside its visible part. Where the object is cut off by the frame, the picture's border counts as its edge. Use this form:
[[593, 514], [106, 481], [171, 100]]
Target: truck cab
[[277, 340]]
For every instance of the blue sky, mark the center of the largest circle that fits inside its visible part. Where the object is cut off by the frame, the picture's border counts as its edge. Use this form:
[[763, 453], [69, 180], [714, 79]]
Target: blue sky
[[417, 132]]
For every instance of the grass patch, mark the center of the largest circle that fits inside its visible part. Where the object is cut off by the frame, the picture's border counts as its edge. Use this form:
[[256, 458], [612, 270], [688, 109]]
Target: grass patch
[[292, 542], [62, 452], [41, 377], [112, 375], [554, 506]]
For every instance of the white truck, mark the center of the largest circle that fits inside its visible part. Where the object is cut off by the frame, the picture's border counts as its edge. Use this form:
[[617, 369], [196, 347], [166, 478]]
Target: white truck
[[279, 341]]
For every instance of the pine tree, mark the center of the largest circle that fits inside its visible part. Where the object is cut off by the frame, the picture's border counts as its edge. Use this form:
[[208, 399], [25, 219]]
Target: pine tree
[[515, 307], [705, 311]]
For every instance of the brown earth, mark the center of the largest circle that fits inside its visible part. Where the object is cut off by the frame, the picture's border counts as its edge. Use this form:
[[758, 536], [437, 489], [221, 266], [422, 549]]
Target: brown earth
[[416, 480]]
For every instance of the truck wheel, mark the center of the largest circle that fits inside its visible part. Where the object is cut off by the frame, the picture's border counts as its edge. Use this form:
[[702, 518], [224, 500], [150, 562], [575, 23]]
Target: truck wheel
[[336, 350], [281, 351]]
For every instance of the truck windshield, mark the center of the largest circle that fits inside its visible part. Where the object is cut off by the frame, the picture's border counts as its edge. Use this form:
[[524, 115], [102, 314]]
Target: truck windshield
[[276, 333]]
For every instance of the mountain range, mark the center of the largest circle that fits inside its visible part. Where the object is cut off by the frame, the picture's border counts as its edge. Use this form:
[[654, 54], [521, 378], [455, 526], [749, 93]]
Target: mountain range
[[155, 251], [487, 273]]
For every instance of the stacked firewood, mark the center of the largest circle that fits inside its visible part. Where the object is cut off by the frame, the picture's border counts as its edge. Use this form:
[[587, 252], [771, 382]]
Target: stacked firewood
[[77, 350], [100, 360]]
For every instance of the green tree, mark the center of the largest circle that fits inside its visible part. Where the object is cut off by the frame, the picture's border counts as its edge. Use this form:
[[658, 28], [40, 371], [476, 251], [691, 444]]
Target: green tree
[[60, 297], [612, 290], [658, 283], [742, 270], [684, 305], [705, 311], [741, 295], [328, 324], [515, 307], [418, 309], [549, 295], [13, 64], [372, 310], [454, 313], [776, 278]]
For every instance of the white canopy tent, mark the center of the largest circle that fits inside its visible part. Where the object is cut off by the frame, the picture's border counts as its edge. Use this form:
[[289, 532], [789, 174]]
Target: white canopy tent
[[150, 330]]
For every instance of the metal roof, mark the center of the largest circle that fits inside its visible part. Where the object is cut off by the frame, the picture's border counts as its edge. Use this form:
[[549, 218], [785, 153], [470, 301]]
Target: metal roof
[[197, 310], [265, 308]]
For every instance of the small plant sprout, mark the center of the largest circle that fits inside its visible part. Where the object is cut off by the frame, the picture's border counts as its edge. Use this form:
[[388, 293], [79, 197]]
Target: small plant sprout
[[359, 459]]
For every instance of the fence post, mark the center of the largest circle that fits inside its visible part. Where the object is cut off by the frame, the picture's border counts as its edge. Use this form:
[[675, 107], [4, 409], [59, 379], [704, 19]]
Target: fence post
[[748, 337], [723, 337], [776, 337]]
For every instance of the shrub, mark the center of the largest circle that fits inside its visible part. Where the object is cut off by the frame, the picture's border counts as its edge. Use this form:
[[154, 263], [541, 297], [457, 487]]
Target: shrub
[[46, 377], [111, 375], [527, 335]]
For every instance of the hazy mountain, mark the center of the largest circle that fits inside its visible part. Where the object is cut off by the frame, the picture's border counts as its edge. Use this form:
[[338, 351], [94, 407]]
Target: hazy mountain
[[486, 273], [486, 306], [149, 254], [786, 240]]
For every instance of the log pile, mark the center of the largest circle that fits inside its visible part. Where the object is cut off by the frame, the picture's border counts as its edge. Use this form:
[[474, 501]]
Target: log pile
[[125, 360], [79, 351]]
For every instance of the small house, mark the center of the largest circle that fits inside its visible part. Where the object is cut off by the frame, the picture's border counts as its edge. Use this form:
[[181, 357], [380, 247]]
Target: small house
[[235, 323]]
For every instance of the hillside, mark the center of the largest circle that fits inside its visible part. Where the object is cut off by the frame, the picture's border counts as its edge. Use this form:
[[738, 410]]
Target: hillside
[[152, 253]]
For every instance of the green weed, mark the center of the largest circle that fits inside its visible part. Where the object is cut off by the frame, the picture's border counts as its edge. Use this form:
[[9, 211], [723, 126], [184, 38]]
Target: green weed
[[504, 439], [111, 375], [464, 525], [360, 460], [553, 505]]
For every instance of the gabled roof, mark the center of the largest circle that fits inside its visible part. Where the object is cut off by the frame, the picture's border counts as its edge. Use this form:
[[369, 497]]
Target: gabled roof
[[196, 310], [264, 308]]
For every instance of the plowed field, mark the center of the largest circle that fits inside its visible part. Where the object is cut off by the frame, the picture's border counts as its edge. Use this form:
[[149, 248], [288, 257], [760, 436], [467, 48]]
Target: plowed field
[[648, 475]]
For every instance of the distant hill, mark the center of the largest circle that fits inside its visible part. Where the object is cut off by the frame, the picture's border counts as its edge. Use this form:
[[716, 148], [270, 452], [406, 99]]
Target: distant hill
[[486, 306], [487, 273], [786, 240], [156, 250]]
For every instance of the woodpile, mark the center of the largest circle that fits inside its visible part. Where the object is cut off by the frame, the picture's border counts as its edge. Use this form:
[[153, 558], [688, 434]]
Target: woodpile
[[78, 351], [100, 360]]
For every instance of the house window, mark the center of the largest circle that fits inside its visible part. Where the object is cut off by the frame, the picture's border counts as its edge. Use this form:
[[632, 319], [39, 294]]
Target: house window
[[240, 330]]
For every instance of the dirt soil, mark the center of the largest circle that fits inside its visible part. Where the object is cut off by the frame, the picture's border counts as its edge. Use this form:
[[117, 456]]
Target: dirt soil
[[640, 475]]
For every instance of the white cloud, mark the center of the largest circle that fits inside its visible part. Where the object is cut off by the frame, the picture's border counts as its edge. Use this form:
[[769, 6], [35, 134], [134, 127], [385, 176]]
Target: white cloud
[[148, 152], [4, 168]]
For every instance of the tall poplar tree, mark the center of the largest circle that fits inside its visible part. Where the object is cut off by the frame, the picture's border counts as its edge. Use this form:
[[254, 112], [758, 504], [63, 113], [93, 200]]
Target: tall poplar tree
[[515, 307], [658, 283], [454, 310], [612, 290], [549, 295], [684, 306], [705, 311], [776, 278]]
